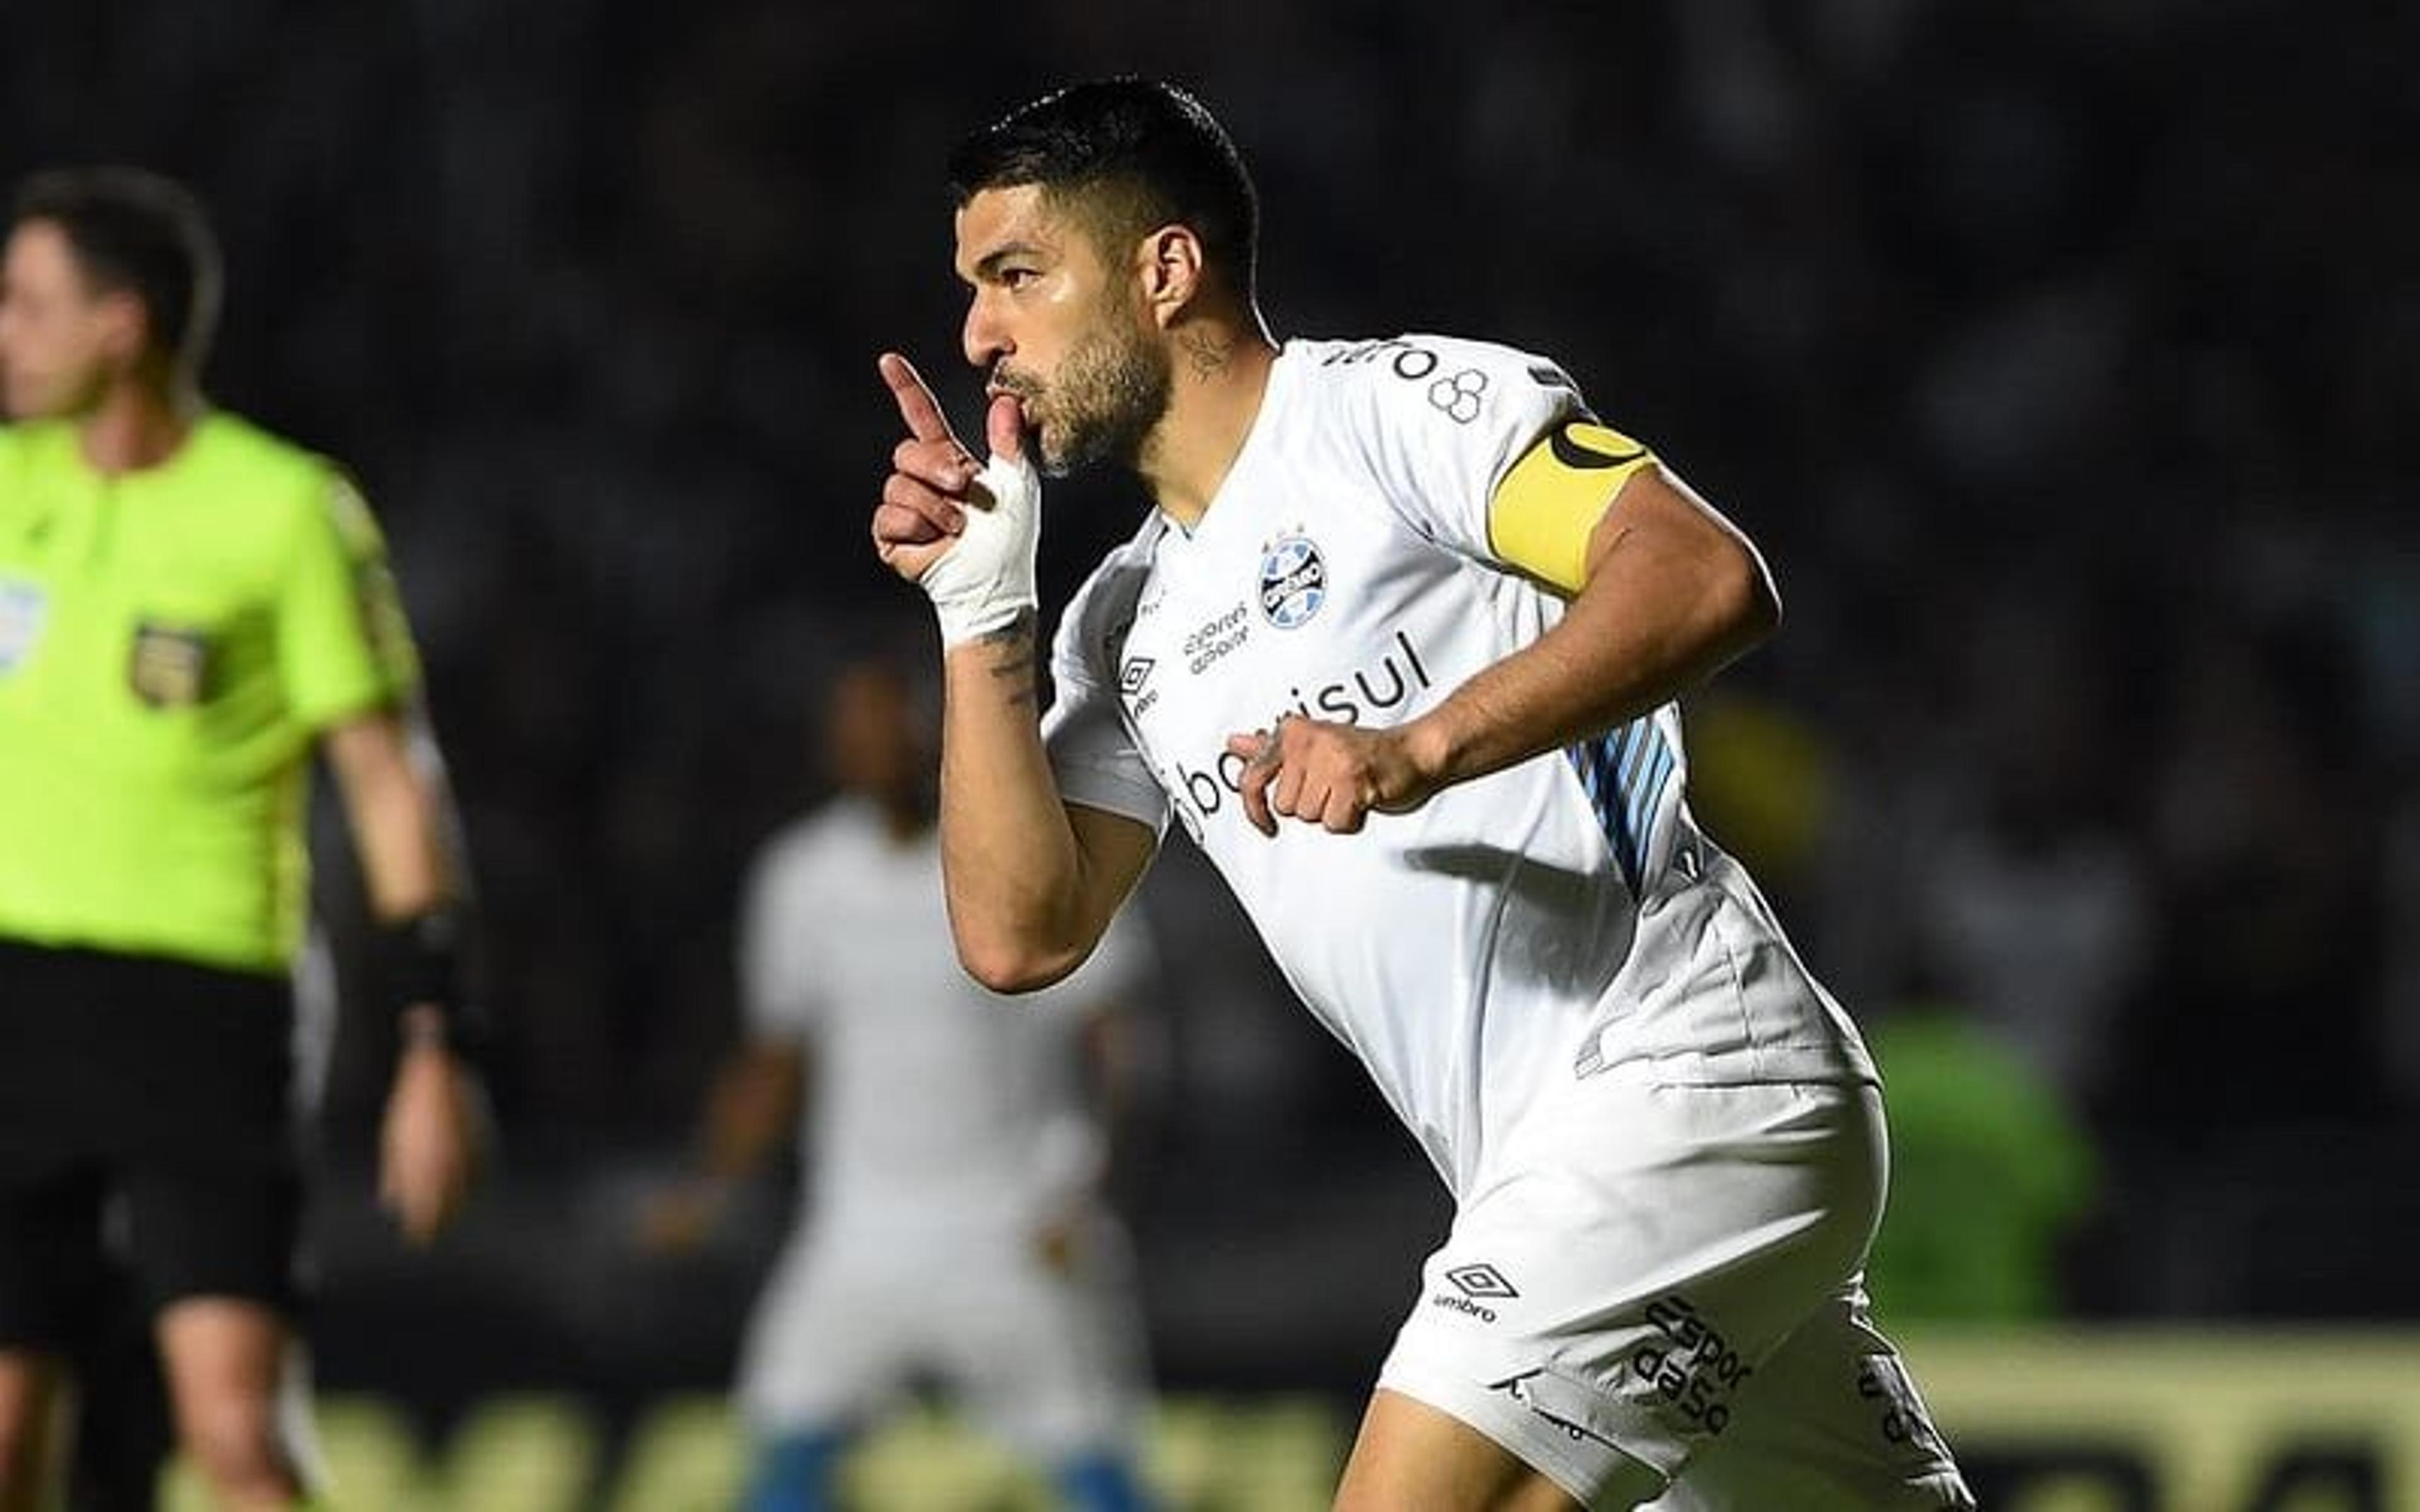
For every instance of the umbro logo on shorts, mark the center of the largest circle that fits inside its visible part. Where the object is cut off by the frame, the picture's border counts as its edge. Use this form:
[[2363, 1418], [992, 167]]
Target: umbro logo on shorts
[[1480, 1280], [1474, 1281]]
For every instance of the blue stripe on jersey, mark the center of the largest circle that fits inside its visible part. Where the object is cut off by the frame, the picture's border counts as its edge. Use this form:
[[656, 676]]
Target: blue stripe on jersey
[[1646, 793], [1642, 749], [1624, 772]]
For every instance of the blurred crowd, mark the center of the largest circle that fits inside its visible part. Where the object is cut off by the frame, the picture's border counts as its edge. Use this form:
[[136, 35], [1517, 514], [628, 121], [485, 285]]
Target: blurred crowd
[[2058, 354]]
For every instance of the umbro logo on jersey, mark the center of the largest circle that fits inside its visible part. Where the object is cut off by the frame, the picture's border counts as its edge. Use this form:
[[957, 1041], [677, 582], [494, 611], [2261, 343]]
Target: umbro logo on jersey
[[1294, 581], [1133, 685], [1480, 1280]]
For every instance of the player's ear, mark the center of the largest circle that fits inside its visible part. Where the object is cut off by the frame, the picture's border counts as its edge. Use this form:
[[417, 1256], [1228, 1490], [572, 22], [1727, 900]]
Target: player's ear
[[124, 326], [1169, 262]]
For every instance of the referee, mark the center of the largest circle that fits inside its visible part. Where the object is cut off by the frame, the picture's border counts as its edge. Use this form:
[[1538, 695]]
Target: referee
[[190, 607]]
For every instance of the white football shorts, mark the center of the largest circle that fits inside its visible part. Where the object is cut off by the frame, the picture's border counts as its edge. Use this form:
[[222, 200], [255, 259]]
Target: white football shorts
[[1049, 1357], [1655, 1297]]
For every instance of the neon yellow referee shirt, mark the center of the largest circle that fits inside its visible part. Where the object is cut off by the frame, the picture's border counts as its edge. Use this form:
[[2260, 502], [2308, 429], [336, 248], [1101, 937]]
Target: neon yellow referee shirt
[[171, 641]]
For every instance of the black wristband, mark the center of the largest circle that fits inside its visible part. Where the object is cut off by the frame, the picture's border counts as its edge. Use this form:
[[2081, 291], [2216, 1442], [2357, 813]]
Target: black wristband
[[418, 961]]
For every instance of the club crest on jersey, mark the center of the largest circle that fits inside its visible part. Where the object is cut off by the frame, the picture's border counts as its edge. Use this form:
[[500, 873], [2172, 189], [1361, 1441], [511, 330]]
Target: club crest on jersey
[[170, 667], [1294, 581], [22, 608]]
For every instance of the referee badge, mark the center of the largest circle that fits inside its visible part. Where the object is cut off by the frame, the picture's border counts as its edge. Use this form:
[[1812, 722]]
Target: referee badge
[[23, 606], [170, 667]]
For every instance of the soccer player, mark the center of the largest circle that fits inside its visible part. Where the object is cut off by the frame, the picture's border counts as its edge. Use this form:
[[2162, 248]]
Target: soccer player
[[1399, 647], [190, 607], [954, 1146]]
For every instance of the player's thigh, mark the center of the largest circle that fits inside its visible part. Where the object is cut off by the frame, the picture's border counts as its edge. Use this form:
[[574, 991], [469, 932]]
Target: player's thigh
[[1047, 1348], [1605, 1294], [1410, 1456]]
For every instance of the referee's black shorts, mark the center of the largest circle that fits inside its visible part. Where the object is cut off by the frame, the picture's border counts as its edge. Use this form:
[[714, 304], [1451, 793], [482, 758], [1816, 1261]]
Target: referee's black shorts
[[162, 1089]]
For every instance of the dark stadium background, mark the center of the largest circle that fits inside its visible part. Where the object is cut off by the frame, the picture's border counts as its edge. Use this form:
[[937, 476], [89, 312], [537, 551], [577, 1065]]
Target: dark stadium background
[[2058, 354]]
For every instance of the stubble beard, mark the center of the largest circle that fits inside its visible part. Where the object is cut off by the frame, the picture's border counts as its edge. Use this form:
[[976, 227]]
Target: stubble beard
[[1110, 392]]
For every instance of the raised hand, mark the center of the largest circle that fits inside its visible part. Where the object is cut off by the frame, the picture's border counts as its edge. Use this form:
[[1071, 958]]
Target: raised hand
[[965, 533], [923, 506]]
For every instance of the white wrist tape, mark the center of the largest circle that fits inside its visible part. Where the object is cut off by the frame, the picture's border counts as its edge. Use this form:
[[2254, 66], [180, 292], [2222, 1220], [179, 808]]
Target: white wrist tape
[[985, 579]]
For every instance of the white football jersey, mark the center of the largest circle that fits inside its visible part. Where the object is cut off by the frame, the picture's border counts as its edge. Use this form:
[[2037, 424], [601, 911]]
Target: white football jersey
[[1541, 921], [931, 1100]]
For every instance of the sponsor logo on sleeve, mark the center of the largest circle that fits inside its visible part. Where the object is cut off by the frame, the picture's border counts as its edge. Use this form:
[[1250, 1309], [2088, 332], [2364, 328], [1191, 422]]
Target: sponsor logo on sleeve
[[1406, 359], [1458, 393]]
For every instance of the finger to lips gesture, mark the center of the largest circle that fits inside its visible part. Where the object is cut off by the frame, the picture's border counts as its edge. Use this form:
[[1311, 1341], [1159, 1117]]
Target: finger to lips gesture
[[924, 499]]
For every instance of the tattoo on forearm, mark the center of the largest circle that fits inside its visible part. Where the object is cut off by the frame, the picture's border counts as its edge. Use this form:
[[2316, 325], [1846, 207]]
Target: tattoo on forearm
[[1012, 659], [1205, 353]]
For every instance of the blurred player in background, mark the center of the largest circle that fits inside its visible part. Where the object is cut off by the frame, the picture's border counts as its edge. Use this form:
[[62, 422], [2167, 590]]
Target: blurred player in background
[[956, 1146], [1399, 647], [190, 609]]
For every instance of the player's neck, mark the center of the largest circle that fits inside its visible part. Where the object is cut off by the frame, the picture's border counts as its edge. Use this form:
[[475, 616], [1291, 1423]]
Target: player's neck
[[138, 423], [1222, 371]]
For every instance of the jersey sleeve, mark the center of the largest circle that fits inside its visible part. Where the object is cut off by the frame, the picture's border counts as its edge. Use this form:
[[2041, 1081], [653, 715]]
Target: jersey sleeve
[[1092, 754], [343, 645], [1444, 422], [778, 993]]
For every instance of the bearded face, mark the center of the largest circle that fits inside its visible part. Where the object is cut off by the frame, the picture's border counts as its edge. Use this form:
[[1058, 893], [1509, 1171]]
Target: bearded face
[[1109, 390], [1057, 321]]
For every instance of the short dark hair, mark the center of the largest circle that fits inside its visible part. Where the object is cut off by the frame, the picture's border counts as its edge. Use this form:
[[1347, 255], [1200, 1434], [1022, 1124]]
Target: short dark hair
[[137, 233], [1135, 154]]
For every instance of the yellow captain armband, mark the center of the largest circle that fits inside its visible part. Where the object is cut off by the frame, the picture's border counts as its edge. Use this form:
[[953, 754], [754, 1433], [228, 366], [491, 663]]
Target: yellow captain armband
[[1547, 504]]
